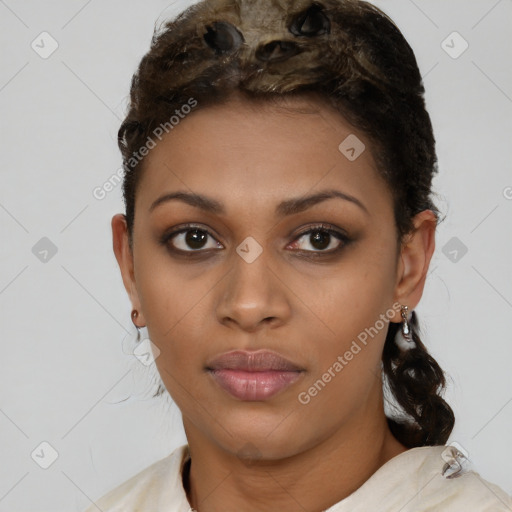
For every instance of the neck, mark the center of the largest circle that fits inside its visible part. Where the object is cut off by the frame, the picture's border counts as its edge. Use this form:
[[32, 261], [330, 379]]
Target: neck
[[313, 479]]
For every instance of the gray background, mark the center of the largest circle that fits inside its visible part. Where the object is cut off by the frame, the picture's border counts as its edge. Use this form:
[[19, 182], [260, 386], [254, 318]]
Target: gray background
[[66, 377]]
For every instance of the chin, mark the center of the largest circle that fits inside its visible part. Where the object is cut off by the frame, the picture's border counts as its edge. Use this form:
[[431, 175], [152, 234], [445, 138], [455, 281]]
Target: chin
[[259, 436]]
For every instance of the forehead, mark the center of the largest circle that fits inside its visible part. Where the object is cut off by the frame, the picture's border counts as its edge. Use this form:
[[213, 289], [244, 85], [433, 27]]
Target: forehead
[[260, 154]]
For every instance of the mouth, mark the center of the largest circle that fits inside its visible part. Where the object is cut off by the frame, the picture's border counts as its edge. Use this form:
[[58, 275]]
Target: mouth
[[253, 376]]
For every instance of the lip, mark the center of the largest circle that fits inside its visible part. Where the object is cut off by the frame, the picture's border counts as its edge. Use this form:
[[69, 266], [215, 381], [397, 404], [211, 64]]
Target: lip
[[253, 376]]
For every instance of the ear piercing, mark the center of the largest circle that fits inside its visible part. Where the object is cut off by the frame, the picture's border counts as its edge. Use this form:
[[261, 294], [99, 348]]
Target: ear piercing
[[403, 337], [135, 315]]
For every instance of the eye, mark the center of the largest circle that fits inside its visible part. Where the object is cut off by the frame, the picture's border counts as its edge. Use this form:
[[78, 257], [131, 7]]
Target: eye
[[322, 238], [190, 239]]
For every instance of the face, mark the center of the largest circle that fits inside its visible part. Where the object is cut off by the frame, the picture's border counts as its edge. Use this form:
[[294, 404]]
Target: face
[[290, 252]]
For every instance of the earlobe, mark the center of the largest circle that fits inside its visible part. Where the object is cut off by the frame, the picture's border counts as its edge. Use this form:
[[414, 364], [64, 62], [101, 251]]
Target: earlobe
[[124, 257], [416, 254]]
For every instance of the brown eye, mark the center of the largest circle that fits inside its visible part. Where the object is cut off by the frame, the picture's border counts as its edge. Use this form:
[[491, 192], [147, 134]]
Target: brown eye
[[321, 240], [195, 238], [191, 240], [318, 240]]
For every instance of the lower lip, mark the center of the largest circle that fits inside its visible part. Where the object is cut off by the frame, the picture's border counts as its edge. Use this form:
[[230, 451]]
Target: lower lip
[[254, 386]]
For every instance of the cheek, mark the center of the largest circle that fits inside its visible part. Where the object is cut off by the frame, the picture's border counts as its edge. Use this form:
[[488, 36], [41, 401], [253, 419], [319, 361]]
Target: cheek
[[354, 306], [176, 309], [171, 293], [350, 297]]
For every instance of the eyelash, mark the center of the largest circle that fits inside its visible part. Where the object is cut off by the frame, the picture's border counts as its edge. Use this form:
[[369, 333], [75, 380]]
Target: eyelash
[[326, 228]]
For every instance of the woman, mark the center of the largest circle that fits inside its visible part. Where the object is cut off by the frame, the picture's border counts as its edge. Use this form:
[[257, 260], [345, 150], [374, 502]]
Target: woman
[[278, 232]]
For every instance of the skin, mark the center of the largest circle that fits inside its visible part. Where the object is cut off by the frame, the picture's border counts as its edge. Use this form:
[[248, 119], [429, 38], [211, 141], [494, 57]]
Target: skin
[[250, 158]]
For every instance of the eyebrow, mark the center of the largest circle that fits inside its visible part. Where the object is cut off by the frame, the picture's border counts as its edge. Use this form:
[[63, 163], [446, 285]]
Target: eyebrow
[[287, 207]]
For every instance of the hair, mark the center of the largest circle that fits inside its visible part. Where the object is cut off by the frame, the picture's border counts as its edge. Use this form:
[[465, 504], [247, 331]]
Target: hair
[[346, 53]]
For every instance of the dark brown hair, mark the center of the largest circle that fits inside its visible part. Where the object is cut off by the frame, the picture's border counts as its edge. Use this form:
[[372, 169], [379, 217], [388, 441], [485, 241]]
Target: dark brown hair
[[347, 53]]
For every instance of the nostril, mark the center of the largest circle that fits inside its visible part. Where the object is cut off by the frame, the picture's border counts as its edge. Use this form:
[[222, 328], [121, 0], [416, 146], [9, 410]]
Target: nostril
[[311, 22], [277, 51], [223, 37]]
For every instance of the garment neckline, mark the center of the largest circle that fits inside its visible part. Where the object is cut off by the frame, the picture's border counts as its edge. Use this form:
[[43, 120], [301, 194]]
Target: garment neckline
[[397, 460]]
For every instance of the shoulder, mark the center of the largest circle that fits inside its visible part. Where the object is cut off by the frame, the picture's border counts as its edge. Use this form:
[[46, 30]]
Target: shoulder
[[464, 490], [426, 479], [154, 488]]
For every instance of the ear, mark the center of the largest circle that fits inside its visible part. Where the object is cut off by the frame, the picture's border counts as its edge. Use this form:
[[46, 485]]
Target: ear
[[124, 257], [416, 253]]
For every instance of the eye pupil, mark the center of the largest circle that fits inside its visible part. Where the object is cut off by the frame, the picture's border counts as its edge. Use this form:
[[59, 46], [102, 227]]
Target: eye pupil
[[320, 239], [195, 238]]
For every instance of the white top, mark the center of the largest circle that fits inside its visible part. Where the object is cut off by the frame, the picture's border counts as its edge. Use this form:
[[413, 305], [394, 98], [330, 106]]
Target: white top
[[410, 482]]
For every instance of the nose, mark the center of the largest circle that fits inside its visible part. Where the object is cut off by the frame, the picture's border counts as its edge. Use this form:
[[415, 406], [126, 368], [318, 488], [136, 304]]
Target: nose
[[252, 296]]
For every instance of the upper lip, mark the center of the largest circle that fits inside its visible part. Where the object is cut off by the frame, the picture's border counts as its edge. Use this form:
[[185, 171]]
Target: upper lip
[[252, 361]]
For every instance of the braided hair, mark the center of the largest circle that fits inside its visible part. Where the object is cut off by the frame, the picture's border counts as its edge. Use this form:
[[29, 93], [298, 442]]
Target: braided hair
[[415, 380], [346, 53]]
